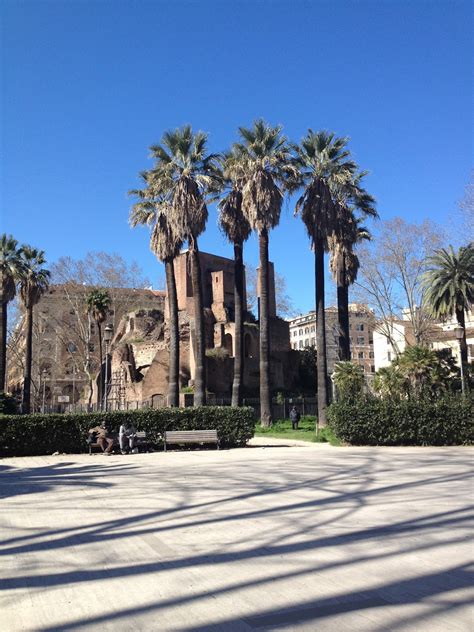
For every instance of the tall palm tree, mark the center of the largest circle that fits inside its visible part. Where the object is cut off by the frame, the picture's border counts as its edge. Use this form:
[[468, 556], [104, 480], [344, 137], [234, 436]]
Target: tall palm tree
[[98, 305], [237, 229], [323, 162], [353, 204], [154, 209], [188, 175], [11, 268], [263, 163], [449, 286], [34, 282], [344, 265]]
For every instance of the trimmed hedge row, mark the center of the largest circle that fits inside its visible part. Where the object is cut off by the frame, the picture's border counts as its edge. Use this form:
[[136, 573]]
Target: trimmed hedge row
[[371, 421], [29, 435]]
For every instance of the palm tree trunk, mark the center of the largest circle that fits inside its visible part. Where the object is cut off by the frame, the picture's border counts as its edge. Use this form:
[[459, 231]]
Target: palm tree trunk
[[25, 405], [320, 334], [462, 323], [343, 313], [199, 326], [3, 343], [173, 371], [239, 325], [99, 377], [265, 402]]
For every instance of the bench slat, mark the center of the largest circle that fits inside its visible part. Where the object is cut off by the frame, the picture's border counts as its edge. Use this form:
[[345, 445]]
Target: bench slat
[[191, 436]]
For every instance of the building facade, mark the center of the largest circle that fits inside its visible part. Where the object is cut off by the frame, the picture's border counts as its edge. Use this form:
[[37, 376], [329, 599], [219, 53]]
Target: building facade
[[361, 326], [393, 338], [67, 355]]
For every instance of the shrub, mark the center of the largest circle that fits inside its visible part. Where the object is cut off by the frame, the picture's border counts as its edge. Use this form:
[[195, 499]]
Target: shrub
[[29, 435], [8, 404], [371, 421]]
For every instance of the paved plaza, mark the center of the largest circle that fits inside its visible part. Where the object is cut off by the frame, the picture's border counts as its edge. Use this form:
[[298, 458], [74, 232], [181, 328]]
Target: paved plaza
[[279, 537]]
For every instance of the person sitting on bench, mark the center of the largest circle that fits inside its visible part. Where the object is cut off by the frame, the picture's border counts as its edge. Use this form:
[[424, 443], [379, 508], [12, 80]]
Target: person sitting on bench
[[103, 437], [127, 437]]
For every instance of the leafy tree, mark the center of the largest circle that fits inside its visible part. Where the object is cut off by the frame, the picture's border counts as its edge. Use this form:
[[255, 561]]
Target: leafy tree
[[449, 286], [349, 380], [187, 175], [98, 304], [11, 269], [262, 164], [323, 161], [307, 372], [236, 228], [155, 210], [34, 282]]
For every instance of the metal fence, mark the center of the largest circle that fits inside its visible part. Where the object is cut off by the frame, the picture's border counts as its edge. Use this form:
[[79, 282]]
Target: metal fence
[[280, 407]]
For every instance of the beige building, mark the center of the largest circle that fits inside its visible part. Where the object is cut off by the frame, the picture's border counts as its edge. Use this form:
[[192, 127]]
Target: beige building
[[361, 326]]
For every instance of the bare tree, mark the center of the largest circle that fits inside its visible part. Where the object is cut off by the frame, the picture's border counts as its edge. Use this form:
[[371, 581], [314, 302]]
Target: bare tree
[[390, 276]]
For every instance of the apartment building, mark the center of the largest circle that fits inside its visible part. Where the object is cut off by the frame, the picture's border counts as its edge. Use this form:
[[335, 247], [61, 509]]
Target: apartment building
[[361, 325]]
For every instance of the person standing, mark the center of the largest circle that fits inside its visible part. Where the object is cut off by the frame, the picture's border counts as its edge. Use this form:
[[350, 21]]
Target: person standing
[[295, 417]]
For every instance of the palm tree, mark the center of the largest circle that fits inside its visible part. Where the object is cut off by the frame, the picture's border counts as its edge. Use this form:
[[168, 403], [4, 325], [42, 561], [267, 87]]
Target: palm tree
[[263, 163], [34, 282], [323, 162], [449, 286], [154, 209], [350, 198], [344, 265], [237, 230], [11, 268], [349, 380], [187, 175], [98, 304]]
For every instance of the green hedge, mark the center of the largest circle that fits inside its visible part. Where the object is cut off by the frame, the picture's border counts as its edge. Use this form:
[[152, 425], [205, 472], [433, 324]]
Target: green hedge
[[29, 435], [371, 421]]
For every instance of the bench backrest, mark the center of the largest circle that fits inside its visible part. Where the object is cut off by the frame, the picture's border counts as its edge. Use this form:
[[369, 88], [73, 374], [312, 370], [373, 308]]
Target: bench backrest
[[190, 435]]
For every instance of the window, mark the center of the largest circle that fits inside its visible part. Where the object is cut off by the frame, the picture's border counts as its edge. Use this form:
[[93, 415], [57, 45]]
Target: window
[[371, 354], [360, 327], [300, 332], [313, 329], [301, 344], [360, 340], [372, 368], [306, 330], [91, 346], [306, 342], [313, 342], [360, 355], [389, 356]]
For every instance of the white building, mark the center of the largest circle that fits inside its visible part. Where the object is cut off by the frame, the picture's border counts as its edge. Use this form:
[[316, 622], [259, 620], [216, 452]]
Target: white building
[[442, 336]]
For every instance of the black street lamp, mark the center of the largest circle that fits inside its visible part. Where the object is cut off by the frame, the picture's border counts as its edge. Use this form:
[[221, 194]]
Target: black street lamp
[[108, 335]]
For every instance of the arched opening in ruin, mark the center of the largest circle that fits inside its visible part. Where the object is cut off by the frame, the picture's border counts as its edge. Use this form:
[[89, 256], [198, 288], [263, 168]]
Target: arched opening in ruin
[[228, 344]]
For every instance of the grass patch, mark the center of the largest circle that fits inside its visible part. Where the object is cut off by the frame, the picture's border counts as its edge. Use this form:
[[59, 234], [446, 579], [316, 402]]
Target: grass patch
[[282, 429]]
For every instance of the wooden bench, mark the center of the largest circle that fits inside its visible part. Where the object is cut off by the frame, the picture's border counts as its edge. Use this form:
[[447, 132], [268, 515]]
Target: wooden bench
[[140, 441], [191, 436]]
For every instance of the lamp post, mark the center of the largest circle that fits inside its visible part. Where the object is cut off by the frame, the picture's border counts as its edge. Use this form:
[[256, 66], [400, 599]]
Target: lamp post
[[459, 333], [44, 373], [72, 350], [108, 334]]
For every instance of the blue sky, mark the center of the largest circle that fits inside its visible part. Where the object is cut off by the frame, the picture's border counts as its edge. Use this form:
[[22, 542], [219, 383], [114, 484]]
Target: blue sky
[[87, 87]]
